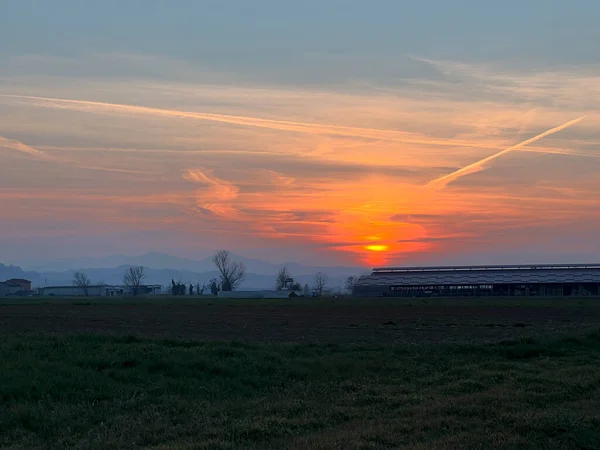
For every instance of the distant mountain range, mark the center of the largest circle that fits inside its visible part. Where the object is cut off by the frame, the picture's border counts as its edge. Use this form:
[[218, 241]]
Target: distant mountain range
[[161, 268]]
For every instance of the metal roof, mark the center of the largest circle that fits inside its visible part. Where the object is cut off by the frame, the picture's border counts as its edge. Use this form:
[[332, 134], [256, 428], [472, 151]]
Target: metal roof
[[454, 275], [492, 267]]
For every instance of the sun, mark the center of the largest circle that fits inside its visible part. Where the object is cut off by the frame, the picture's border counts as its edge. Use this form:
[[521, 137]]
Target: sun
[[377, 247]]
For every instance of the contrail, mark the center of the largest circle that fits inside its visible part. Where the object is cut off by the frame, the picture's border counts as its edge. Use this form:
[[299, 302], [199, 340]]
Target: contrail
[[479, 165], [566, 152], [22, 147], [282, 125], [110, 169]]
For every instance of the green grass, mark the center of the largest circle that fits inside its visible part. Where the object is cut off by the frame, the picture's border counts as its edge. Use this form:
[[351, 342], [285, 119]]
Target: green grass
[[97, 392]]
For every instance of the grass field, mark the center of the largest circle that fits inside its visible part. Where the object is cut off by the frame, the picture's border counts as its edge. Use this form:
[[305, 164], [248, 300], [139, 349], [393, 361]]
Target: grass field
[[161, 374], [104, 392]]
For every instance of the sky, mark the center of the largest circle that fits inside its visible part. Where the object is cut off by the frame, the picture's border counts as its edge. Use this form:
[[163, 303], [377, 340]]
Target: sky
[[324, 132]]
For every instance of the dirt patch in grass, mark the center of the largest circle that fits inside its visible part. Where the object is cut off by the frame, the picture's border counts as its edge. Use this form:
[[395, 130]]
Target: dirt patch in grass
[[343, 322]]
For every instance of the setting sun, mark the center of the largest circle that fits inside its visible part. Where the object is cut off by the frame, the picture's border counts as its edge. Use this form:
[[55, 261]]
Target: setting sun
[[377, 247]]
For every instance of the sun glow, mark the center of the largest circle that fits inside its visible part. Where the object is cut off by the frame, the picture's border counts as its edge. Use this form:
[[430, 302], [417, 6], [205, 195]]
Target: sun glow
[[377, 247]]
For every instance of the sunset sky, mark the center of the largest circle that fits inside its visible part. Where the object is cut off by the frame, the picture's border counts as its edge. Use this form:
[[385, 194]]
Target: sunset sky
[[330, 132]]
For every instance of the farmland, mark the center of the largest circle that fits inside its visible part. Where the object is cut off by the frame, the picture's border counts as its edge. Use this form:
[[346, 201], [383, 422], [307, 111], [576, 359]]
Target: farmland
[[377, 321], [331, 373]]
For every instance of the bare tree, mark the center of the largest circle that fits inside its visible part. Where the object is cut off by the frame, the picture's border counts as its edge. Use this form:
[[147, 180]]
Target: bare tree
[[82, 281], [133, 278], [232, 272], [283, 278], [320, 283], [214, 286], [349, 283]]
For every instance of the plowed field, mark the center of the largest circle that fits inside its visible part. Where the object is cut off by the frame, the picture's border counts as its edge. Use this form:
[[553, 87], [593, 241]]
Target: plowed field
[[325, 322]]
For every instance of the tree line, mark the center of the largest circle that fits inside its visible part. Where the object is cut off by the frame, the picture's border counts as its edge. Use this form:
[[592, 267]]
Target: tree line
[[231, 275]]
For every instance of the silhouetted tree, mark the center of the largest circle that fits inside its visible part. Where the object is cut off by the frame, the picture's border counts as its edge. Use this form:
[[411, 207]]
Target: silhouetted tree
[[214, 287], [232, 272], [200, 289], [81, 280], [133, 278], [320, 283], [178, 288], [282, 279], [191, 289]]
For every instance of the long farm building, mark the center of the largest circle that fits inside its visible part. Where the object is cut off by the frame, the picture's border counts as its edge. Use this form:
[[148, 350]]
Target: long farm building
[[460, 281]]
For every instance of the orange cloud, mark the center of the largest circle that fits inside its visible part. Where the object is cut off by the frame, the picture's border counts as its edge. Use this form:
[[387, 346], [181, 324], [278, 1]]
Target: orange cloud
[[218, 189], [217, 196], [21, 147]]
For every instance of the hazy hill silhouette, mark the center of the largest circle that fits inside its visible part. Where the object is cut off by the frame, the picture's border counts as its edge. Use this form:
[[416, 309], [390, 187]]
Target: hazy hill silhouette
[[161, 268]]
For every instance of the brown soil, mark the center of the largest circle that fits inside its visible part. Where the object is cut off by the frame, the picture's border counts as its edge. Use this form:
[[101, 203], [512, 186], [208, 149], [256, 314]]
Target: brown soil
[[306, 323]]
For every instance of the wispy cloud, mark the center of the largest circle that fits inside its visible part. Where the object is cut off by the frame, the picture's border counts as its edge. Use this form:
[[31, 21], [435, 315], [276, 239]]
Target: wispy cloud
[[216, 196], [218, 188], [326, 172], [21, 147]]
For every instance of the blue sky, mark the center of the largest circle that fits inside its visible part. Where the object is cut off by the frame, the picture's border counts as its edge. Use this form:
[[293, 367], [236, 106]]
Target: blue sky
[[300, 130], [243, 33]]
